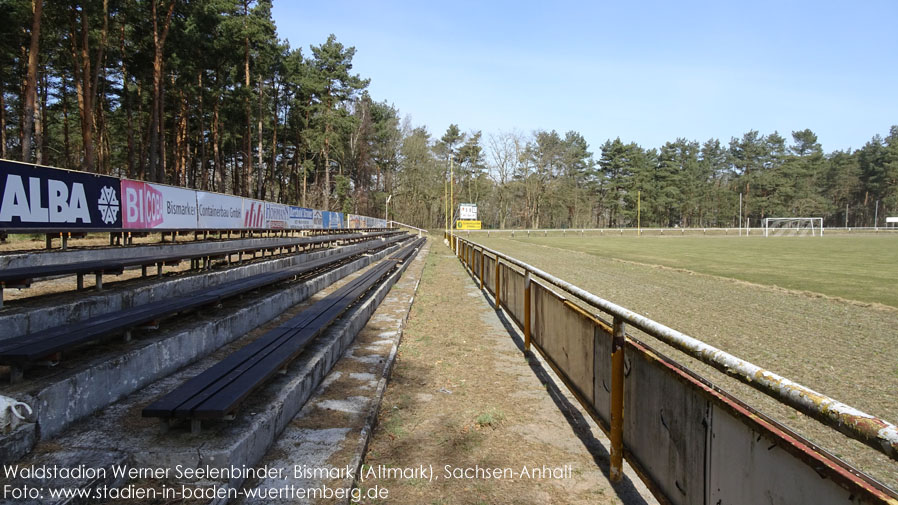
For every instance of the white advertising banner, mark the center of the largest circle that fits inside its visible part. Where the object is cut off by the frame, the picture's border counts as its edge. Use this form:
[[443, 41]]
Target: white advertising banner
[[253, 213], [275, 216], [217, 211], [156, 206], [300, 218]]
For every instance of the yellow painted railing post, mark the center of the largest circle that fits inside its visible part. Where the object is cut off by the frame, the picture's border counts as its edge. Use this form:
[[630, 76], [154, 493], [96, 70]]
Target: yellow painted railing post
[[617, 400], [498, 296], [527, 311], [482, 257]]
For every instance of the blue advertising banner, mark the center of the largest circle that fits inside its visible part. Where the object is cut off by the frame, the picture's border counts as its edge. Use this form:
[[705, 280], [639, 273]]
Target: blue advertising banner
[[35, 197], [331, 219]]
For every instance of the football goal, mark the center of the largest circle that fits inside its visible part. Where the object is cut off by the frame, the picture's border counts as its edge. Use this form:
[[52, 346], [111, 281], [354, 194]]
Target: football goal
[[793, 226]]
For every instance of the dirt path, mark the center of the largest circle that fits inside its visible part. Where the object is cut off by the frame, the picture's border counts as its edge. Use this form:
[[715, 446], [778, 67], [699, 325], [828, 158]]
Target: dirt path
[[463, 396]]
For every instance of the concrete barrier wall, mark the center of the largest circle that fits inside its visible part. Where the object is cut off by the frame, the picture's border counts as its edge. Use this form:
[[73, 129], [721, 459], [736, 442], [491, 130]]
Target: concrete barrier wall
[[566, 336]]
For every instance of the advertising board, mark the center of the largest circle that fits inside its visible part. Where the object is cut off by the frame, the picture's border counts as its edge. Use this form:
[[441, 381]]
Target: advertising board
[[217, 211], [467, 225], [157, 206], [331, 220], [300, 218], [467, 211], [253, 213], [42, 197], [275, 216]]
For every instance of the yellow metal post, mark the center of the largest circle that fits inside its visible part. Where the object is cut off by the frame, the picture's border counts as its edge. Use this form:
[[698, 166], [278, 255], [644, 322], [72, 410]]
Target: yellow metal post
[[527, 312], [617, 400], [451, 193], [481, 269], [498, 297], [638, 214]]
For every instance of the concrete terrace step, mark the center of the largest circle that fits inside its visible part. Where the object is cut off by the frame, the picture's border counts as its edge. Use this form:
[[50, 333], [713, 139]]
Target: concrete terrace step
[[241, 442], [86, 384], [17, 321]]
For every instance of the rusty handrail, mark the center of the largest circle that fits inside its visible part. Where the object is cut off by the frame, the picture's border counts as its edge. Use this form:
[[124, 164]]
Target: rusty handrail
[[872, 431]]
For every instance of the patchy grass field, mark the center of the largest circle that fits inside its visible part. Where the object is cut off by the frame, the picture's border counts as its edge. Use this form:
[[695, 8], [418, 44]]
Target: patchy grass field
[[862, 268], [815, 333]]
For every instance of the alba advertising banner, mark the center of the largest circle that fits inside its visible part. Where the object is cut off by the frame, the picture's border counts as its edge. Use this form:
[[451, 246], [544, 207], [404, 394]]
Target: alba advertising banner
[[300, 218], [41, 197], [217, 211], [155, 206]]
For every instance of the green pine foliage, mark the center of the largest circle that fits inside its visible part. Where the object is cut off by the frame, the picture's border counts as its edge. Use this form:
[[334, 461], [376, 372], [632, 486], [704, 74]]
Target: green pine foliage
[[240, 111]]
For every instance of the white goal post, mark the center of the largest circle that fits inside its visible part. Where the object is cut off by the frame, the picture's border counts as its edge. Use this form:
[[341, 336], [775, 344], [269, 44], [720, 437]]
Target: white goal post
[[792, 226]]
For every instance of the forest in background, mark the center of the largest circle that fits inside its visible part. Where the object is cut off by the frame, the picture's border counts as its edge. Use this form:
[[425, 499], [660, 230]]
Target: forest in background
[[204, 94]]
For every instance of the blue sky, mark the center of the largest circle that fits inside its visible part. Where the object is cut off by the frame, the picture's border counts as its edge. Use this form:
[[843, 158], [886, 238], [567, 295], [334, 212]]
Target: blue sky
[[647, 72]]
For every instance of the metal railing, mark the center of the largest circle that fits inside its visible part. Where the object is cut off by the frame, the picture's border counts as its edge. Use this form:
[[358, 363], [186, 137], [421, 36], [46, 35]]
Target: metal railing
[[632, 231], [396, 224], [587, 353]]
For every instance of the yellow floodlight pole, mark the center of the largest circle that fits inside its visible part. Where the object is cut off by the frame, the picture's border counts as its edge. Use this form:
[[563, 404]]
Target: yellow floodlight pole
[[452, 192], [446, 202], [638, 215]]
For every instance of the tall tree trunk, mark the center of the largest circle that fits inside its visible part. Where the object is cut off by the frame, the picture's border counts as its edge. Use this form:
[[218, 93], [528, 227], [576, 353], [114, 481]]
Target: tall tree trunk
[[67, 145], [81, 73], [326, 190], [86, 101], [40, 147], [126, 99], [272, 167], [31, 78], [302, 169], [98, 98], [157, 166], [2, 122], [247, 138], [142, 149], [260, 181], [216, 149], [182, 146], [204, 172], [23, 60], [163, 144]]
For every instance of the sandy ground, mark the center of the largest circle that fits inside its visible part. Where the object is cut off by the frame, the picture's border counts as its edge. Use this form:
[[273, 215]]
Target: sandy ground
[[462, 395]]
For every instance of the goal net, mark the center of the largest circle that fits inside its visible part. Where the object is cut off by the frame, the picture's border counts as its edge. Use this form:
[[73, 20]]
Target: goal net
[[793, 226]]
